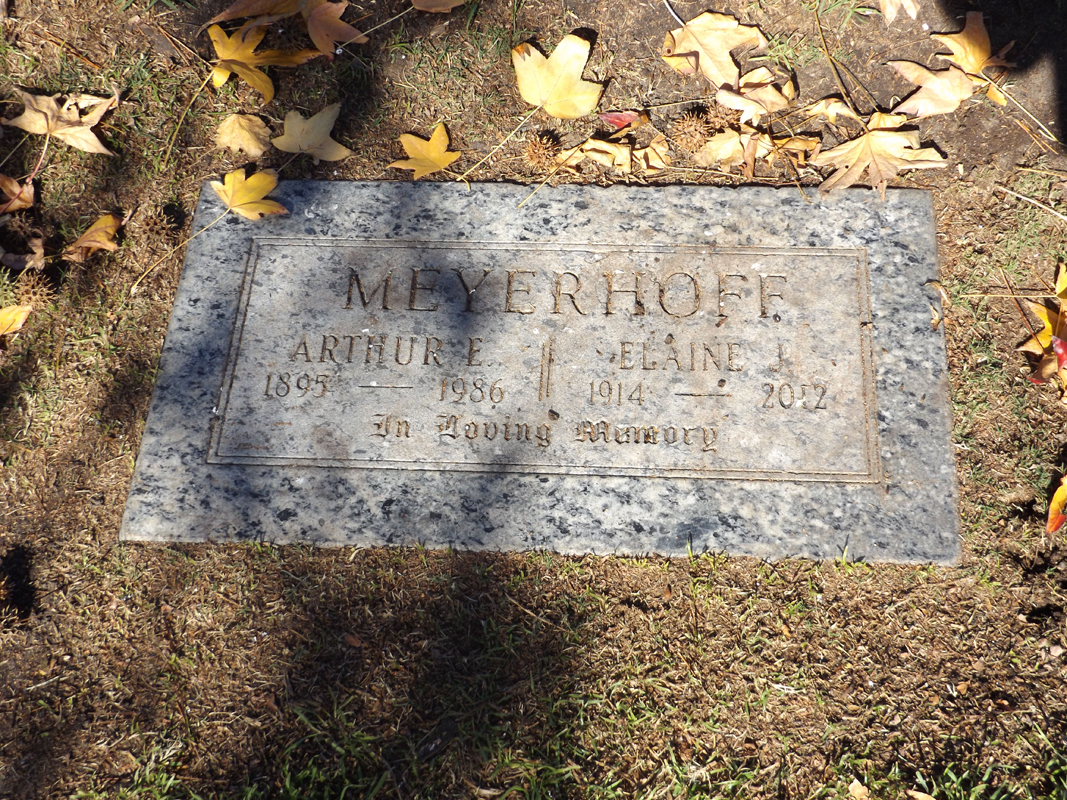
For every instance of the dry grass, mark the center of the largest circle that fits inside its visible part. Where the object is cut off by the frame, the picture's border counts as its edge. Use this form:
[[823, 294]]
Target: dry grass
[[250, 671]]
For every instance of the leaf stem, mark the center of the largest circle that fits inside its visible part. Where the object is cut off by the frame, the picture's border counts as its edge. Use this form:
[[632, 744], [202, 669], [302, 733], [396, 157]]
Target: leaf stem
[[833, 68], [162, 258], [502, 143], [181, 119], [29, 180]]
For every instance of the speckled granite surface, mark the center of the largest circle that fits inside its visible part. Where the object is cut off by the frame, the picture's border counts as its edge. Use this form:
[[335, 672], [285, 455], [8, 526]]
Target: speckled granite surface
[[317, 381]]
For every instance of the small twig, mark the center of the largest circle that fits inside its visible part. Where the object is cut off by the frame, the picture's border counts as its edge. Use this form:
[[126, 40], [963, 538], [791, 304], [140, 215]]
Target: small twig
[[13, 149], [169, 253], [502, 142], [1053, 173], [681, 103], [563, 158], [369, 31], [62, 45], [29, 180], [1044, 131], [833, 68], [1018, 305], [1032, 201], [181, 119], [674, 13], [292, 158]]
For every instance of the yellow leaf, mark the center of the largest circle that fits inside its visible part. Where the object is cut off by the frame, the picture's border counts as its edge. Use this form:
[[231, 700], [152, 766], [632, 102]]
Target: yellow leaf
[[555, 83], [312, 136], [44, 115], [882, 152], [236, 55], [244, 196], [831, 108], [756, 95], [704, 43], [891, 7], [970, 47], [13, 318], [18, 196], [243, 132], [655, 158], [1061, 282], [614, 155], [1056, 517], [327, 30], [732, 148], [426, 156], [100, 236], [940, 93]]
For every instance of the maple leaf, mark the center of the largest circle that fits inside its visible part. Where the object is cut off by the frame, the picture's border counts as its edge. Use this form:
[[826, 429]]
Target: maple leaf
[[323, 19], [732, 148], [970, 47], [704, 43], [1054, 326], [243, 132], [312, 136], [555, 83], [33, 260], [756, 95], [882, 152], [236, 56], [891, 7], [941, 92], [613, 155], [655, 158], [831, 108], [796, 148], [100, 236], [44, 115], [18, 197], [244, 196], [13, 318], [426, 156], [1056, 517], [437, 6]]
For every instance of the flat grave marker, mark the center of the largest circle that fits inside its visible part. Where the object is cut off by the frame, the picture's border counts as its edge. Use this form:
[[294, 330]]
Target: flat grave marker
[[624, 370]]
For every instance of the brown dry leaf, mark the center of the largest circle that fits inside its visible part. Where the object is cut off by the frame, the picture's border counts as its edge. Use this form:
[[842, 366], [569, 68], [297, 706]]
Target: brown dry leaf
[[257, 8], [704, 43], [244, 196], [427, 156], [236, 55], [243, 132], [33, 260], [970, 47], [831, 108], [797, 149], [653, 159], [352, 640], [941, 92], [756, 95], [100, 236], [891, 7], [883, 152], [13, 318], [312, 136], [731, 148], [44, 115], [18, 196], [436, 6], [323, 19], [613, 155], [555, 83]]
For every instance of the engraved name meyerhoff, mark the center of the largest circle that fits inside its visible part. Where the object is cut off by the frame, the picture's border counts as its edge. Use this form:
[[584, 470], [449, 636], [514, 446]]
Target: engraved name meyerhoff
[[596, 360]]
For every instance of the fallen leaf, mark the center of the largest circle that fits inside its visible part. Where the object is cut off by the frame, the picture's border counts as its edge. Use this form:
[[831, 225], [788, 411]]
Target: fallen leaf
[[970, 47], [33, 260], [882, 152], [257, 8], [891, 7], [797, 149], [555, 83], [13, 318], [831, 108], [1056, 517], [244, 196], [427, 156], [100, 236], [941, 92], [236, 56], [614, 155], [352, 640], [1054, 326], [857, 791], [731, 148], [756, 95], [44, 115], [328, 31], [18, 196], [243, 132], [436, 6], [704, 44], [655, 158], [312, 136], [623, 121]]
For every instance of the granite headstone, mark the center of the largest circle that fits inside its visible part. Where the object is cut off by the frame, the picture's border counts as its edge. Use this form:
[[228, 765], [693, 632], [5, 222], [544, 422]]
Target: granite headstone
[[609, 370]]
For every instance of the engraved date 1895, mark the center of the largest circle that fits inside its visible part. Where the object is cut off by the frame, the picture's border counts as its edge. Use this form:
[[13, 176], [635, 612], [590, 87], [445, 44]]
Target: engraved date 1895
[[281, 384]]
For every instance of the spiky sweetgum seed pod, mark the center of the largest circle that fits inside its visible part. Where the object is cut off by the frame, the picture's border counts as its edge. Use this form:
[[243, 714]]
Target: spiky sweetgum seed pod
[[34, 290], [690, 131], [719, 118], [541, 151]]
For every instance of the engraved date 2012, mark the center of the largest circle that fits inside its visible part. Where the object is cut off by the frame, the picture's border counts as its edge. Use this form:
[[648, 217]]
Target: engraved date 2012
[[785, 396]]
